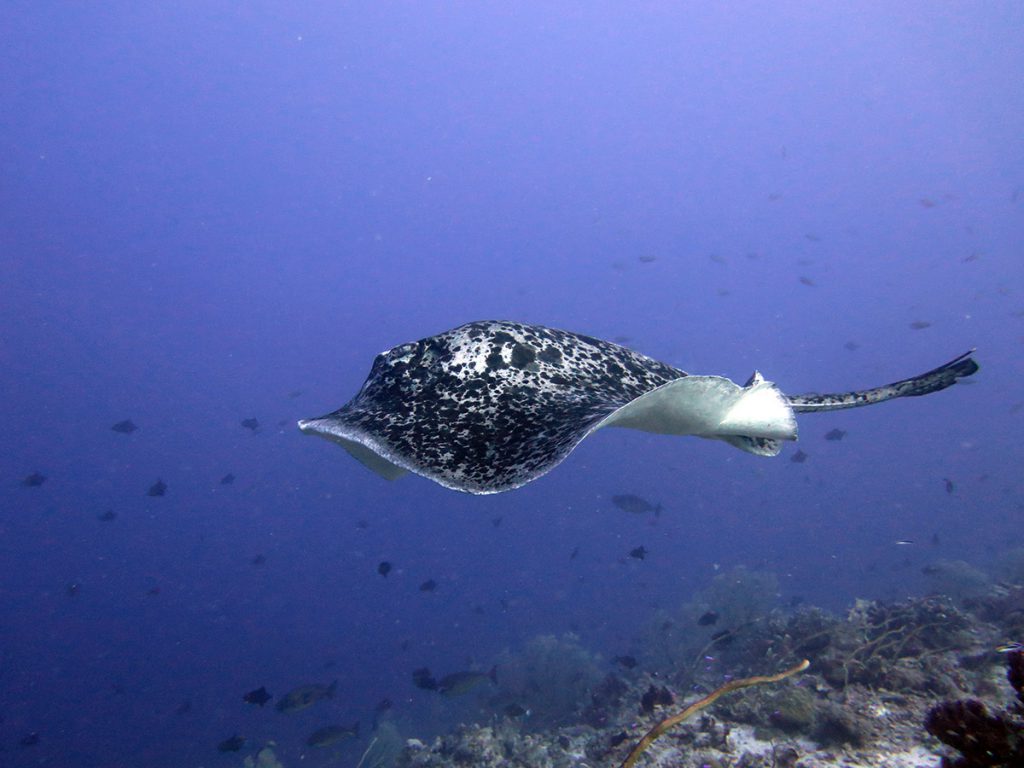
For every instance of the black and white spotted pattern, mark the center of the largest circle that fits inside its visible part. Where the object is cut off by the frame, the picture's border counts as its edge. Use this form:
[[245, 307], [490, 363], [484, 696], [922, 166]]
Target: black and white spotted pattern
[[492, 405]]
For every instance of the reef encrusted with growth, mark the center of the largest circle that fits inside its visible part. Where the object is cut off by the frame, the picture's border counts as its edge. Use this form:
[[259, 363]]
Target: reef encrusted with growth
[[983, 738], [874, 677]]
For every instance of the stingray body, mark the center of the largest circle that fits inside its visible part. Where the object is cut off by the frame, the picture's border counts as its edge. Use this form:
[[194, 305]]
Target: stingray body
[[491, 405]]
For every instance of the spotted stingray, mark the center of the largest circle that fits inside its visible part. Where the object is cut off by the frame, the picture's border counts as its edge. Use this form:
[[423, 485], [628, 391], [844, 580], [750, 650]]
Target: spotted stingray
[[492, 405]]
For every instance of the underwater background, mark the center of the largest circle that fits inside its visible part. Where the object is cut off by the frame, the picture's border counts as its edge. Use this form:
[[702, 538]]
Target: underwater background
[[214, 212]]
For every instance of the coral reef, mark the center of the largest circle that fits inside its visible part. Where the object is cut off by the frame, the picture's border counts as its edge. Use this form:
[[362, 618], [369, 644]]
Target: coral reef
[[983, 739], [956, 579], [900, 646], [719, 621], [733, 685], [875, 674], [1010, 566], [552, 677]]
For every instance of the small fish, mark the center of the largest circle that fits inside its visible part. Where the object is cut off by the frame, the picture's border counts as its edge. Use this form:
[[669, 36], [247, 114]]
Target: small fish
[[259, 560], [618, 738], [252, 424], [920, 325], [29, 741], [107, 516], [333, 734], [656, 697], [853, 346], [233, 744], [228, 479], [1010, 647], [422, 678], [927, 203], [260, 696], [72, 589], [516, 710], [294, 394], [496, 522], [647, 259], [428, 586], [629, 662], [184, 708], [808, 282], [949, 485], [305, 696], [639, 552], [635, 505], [708, 619], [159, 488], [799, 457], [459, 683], [34, 480], [125, 427], [835, 434], [384, 568], [153, 591], [904, 542], [574, 553], [813, 238]]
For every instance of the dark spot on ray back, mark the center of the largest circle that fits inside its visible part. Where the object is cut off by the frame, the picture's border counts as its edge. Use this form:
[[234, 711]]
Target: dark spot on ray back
[[523, 355], [495, 361], [550, 355]]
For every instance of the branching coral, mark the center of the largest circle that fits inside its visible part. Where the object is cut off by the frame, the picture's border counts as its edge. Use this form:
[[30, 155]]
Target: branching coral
[[890, 645], [983, 739]]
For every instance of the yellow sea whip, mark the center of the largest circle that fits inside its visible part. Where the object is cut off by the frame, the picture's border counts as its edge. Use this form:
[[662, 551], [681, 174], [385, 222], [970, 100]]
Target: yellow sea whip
[[707, 701]]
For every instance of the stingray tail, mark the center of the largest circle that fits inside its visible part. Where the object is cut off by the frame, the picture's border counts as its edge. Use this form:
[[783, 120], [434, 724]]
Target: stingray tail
[[933, 381]]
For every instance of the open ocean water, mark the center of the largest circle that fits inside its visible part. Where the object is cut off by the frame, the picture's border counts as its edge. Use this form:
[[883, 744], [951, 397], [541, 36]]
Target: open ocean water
[[213, 216]]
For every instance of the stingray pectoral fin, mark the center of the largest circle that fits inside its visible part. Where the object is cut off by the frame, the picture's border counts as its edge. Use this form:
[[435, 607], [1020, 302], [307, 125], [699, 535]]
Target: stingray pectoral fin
[[359, 446], [752, 418]]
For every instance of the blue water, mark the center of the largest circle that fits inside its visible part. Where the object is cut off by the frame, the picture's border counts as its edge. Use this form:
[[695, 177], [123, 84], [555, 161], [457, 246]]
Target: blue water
[[208, 207]]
